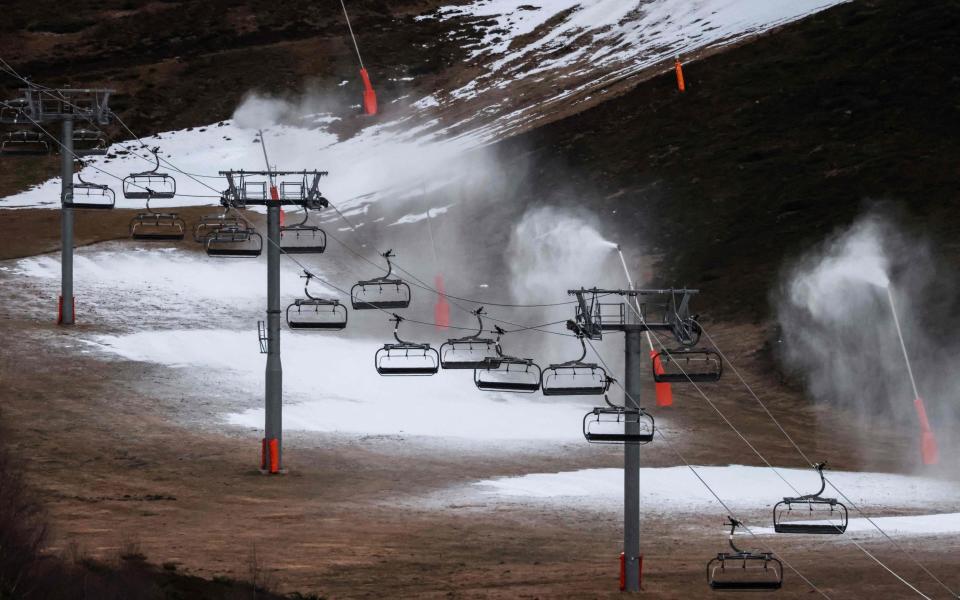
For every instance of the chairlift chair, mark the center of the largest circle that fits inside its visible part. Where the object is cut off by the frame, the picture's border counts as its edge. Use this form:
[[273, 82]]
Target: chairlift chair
[[157, 226], [85, 195], [406, 358], [504, 373], [468, 352], [381, 292], [687, 365], [234, 242], [208, 224], [301, 238], [150, 184], [575, 377], [812, 514], [744, 570], [24, 142], [15, 111], [618, 425], [316, 313], [89, 142]]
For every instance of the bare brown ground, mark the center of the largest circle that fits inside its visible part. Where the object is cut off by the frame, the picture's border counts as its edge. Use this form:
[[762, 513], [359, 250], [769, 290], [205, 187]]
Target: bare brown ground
[[101, 445]]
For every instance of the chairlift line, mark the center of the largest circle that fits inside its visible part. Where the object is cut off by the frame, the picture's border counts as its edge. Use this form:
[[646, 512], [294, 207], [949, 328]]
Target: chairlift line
[[690, 467], [849, 501]]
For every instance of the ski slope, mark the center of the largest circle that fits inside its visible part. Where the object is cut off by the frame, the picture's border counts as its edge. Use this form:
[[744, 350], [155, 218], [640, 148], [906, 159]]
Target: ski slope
[[529, 61]]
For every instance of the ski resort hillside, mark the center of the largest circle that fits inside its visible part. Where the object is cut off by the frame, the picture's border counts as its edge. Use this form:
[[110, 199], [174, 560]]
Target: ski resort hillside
[[479, 299]]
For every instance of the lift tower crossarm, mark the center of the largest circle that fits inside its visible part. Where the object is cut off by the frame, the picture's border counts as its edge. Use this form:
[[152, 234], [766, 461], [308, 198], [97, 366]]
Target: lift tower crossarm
[[235, 195]]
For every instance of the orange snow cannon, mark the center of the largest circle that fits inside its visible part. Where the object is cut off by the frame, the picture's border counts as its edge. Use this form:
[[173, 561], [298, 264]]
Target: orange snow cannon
[[928, 443], [369, 96], [681, 85], [441, 311]]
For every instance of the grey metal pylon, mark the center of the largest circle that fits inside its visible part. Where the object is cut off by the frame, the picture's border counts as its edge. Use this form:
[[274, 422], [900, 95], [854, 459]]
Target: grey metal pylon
[[304, 192], [65, 314], [39, 106], [633, 356]]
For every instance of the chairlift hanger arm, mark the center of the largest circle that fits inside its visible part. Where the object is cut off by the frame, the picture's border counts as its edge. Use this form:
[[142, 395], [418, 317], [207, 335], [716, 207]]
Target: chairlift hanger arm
[[823, 485]]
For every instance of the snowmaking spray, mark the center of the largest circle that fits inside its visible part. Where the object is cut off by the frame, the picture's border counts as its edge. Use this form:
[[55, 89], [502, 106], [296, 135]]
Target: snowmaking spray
[[839, 316]]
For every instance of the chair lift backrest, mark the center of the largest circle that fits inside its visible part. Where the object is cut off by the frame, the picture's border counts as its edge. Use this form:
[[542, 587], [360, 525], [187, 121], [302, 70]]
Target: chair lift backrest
[[300, 238], [741, 558], [687, 366], [220, 242], [337, 311], [150, 184], [24, 142], [561, 379], [507, 373], [86, 195], [401, 298], [595, 420], [450, 348], [424, 361]]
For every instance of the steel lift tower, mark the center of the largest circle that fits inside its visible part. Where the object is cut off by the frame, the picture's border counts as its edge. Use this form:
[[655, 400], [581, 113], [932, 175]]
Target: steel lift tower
[[250, 188], [665, 310], [43, 106]]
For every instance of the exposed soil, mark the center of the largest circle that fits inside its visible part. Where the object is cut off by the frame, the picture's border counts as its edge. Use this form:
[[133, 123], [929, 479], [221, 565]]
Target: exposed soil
[[774, 144]]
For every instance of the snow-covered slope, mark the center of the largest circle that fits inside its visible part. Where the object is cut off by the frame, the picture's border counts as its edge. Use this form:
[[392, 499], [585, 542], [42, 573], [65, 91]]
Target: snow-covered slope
[[530, 61], [537, 58]]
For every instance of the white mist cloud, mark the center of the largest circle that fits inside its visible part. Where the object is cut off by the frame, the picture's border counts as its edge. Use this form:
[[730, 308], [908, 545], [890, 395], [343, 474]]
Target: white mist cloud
[[552, 250], [838, 332]]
